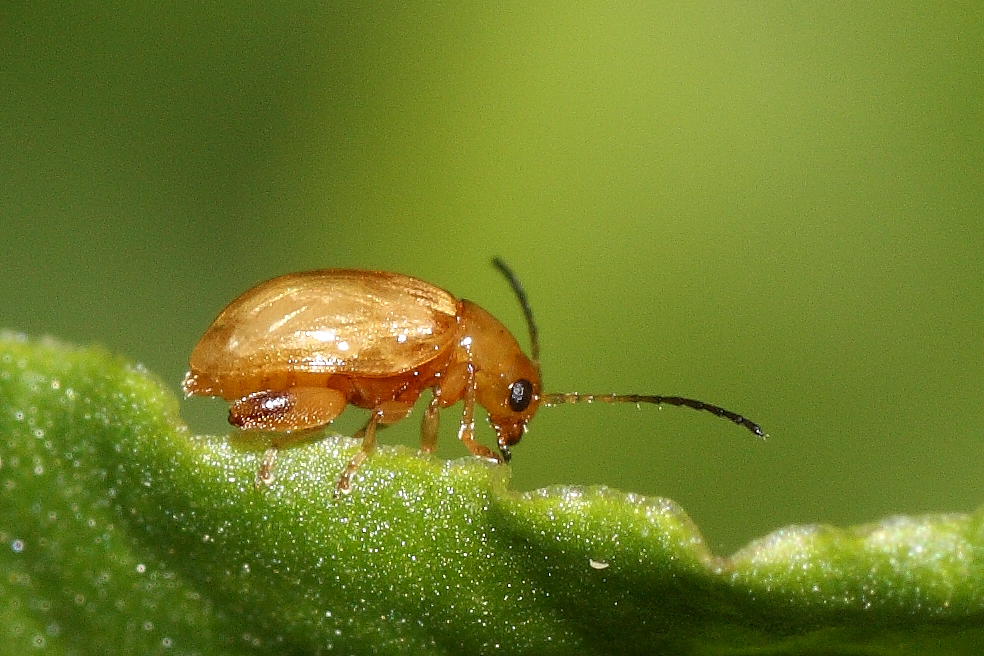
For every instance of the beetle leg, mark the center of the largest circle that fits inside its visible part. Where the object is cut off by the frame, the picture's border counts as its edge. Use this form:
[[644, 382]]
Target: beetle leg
[[466, 432], [392, 412], [430, 422], [296, 413], [265, 475], [361, 433], [344, 485]]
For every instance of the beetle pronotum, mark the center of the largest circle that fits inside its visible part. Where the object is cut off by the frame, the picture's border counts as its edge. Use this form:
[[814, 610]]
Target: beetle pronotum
[[293, 352]]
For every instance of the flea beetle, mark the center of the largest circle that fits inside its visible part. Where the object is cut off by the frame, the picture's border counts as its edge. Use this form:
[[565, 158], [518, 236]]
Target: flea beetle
[[293, 352]]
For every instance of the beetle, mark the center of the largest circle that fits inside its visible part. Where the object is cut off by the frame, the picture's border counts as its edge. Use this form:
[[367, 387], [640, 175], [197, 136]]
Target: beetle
[[293, 352]]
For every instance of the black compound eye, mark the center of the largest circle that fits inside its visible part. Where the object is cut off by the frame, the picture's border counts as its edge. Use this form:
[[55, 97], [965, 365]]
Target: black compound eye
[[520, 395]]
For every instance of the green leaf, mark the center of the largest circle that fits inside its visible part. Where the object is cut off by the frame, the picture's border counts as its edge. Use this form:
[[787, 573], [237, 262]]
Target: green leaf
[[122, 532]]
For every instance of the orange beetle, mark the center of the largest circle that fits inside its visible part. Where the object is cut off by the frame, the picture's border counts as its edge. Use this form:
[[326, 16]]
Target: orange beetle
[[292, 352]]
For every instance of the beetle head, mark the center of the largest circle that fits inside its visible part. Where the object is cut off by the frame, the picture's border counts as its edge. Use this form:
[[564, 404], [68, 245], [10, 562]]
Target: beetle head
[[511, 399], [507, 382]]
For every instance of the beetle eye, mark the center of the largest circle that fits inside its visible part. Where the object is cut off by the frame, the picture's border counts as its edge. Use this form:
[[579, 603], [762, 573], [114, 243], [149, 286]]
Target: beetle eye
[[520, 395]]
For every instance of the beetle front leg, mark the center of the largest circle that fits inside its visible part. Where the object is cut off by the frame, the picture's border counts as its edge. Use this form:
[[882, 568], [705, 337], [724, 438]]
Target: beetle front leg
[[466, 432]]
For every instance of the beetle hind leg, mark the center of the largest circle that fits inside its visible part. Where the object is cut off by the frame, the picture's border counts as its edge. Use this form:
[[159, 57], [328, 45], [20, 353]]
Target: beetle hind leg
[[296, 413], [265, 475]]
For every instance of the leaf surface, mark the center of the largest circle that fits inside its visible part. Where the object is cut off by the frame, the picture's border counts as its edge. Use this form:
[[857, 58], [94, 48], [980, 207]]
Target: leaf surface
[[122, 532]]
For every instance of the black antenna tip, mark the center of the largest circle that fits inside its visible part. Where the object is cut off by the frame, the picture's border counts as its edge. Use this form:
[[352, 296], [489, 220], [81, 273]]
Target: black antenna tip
[[524, 302]]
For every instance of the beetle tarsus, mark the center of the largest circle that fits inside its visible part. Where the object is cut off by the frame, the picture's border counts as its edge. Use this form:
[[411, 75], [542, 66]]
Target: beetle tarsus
[[265, 476], [344, 485]]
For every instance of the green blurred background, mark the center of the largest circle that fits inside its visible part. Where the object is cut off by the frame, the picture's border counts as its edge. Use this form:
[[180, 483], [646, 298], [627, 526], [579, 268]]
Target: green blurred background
[[771, 206]]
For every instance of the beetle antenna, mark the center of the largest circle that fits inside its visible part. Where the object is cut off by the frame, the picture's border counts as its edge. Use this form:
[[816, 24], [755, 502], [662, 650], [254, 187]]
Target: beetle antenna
[[576, 397], [523, 301]]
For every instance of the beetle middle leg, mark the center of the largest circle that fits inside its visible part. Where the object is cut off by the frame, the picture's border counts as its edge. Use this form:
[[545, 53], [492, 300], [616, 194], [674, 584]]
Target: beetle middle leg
[[430, 423], [387, 413]]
